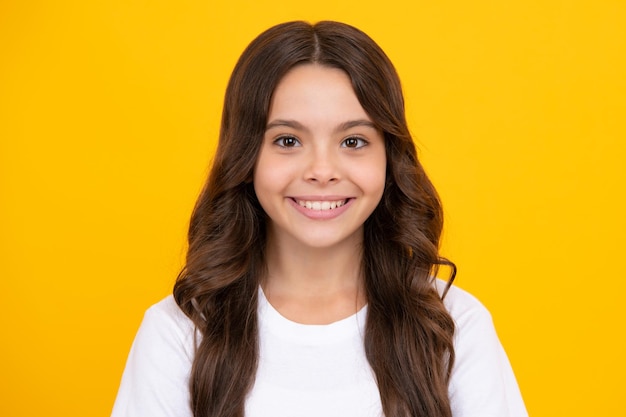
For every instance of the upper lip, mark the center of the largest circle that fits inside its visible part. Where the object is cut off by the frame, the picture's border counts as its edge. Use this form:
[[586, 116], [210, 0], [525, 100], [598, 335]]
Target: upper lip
[[320, 197]]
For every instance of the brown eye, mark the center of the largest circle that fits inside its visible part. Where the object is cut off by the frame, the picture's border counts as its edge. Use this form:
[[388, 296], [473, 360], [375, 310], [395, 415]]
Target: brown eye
[[287, 142], [353, 142]]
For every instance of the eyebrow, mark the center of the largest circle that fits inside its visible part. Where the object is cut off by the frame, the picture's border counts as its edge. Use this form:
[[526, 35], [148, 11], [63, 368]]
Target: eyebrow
[[340, 128], [285, 123]]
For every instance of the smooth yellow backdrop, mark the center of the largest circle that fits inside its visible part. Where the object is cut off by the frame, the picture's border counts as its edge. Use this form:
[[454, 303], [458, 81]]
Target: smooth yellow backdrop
[[109, 112]]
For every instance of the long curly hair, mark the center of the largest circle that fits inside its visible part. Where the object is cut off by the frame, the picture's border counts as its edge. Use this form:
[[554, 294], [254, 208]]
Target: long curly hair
[[409, 334]]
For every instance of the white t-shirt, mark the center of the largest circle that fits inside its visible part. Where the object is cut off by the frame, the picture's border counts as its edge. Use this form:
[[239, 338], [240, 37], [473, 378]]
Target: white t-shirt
[[313, 370]]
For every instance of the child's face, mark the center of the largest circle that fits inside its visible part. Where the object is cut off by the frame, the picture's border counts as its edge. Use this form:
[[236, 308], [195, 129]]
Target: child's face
[[321, 168]]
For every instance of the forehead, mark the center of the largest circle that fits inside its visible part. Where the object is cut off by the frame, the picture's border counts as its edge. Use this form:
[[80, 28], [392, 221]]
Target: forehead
[[314, 92]]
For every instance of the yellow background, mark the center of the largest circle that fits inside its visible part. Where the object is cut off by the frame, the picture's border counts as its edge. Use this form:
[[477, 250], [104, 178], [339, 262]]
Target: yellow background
[[109, 113]]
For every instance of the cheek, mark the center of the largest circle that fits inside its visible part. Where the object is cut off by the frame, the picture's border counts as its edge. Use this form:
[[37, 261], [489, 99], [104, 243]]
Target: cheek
[[264, 175], [269, 177], [378, 183], [373, 177]]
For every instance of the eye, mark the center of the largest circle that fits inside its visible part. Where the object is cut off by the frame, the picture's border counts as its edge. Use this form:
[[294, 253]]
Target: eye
[[353, 142], [287, 142]]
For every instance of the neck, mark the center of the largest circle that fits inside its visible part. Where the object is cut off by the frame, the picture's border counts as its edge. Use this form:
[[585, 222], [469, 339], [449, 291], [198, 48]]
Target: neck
[[314, 285]]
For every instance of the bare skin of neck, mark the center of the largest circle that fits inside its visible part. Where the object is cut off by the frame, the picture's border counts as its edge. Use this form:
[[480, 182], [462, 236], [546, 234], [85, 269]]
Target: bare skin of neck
[[314, 285]]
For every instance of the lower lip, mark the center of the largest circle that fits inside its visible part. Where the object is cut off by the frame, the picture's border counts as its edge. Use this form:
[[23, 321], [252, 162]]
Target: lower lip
[[322, 214]]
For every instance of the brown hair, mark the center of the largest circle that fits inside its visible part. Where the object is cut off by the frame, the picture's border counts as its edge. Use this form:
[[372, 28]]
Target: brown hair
[[409, 334]]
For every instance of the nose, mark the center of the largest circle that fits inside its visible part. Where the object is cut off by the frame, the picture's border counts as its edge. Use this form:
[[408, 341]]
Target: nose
[[322, 167]]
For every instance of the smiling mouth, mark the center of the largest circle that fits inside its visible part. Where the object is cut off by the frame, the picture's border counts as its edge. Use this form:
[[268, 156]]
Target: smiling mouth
[[321, 205]]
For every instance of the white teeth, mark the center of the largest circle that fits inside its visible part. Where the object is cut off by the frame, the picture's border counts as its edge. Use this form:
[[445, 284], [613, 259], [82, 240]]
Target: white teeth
[[321, 205]]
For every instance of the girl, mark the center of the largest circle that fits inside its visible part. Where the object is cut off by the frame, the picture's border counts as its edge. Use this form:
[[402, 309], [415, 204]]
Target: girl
[[309, 287]]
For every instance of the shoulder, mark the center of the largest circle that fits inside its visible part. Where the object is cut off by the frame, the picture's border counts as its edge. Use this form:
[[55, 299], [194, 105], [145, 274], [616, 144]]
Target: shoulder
[[474, 329], [155, 379], [168, 312], [482, 381], [166, 322], [461, 304]]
